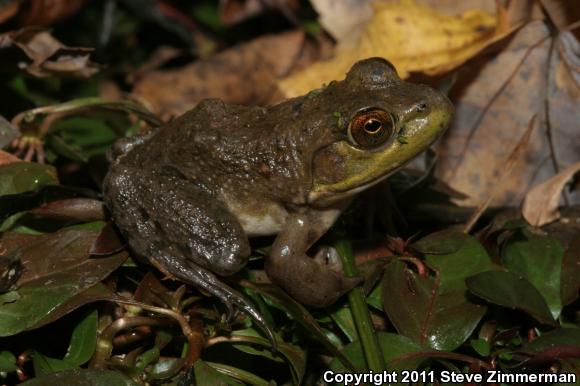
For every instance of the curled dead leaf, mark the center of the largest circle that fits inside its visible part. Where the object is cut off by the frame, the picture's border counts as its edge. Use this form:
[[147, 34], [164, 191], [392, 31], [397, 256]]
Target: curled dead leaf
[[37, 52], [541, 203]]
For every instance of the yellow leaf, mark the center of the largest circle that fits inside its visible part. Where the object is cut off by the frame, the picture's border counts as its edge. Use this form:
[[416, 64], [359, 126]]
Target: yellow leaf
[[414, 38]]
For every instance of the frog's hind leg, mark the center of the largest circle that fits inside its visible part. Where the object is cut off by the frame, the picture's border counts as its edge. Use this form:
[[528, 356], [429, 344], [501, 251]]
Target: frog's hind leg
[[182, 230], [205, 279]]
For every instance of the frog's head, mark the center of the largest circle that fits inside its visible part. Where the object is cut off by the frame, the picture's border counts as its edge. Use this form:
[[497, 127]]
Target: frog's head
[[381, 123]]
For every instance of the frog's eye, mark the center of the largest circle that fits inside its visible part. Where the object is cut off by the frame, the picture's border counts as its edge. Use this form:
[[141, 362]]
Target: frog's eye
[[371, 128]]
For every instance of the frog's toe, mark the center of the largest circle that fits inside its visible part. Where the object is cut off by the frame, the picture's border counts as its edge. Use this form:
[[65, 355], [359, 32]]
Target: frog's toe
[[232, 299], [231, 312]]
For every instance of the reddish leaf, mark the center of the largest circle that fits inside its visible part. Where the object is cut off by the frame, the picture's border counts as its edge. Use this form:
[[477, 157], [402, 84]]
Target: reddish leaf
[[56, 268], [421, 311], [108, 242], [72, 209]]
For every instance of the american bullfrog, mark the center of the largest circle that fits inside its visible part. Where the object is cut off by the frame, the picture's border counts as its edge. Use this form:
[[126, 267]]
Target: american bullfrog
[[188, 196]]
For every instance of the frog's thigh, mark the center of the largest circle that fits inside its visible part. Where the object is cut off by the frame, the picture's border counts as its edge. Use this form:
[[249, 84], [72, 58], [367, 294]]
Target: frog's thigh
[[181, 230], [163, 212]]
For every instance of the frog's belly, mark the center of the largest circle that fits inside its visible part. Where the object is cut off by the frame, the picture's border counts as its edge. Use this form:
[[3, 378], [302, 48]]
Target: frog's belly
[[259, 218], [261, 225]]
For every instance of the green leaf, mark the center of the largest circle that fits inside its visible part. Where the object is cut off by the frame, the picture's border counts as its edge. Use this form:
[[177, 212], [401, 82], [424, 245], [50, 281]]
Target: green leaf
[[343, 319], [374, 298], [294, 355], [393, 346], [44, 365], [9, 297], [64, 149], [206, 375], [79, 138], [242, 375], [83, 341], [7, 362], [82, 377], [81, 348], [19, 177], [538, 259], [481, 346], [299, 314], [468, 258], [512, 291], [165, 368], [440, 243], [249, 346]]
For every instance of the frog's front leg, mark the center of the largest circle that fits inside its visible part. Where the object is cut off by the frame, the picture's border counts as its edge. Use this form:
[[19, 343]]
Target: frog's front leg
[[309, 280]]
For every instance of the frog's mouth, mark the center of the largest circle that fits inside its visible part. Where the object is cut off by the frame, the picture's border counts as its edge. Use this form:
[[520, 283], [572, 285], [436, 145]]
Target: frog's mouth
[[341, 170]]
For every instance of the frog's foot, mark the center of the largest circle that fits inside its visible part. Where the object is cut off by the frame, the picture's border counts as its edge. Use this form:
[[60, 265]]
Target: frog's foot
[[232, 299], [308, 280], [317, 281]]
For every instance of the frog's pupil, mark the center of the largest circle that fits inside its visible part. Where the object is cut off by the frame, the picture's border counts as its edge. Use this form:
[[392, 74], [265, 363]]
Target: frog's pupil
[[372, 126]]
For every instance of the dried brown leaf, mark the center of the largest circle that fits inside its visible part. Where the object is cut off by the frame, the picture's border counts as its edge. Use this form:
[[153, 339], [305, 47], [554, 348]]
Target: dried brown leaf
[[562, 12], [40, 54], [235, 11], [510, 163], [495, 99], [244, 74], [541, 203]]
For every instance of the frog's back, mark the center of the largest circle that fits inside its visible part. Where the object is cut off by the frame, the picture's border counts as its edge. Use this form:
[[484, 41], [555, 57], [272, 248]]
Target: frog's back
[[228, 150]]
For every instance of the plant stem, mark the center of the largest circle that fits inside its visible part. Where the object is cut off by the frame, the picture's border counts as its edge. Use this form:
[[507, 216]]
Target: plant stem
[[360, 311]]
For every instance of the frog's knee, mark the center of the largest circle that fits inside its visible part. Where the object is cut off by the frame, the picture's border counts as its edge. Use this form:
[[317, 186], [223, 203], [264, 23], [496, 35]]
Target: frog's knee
[[232, 259]]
